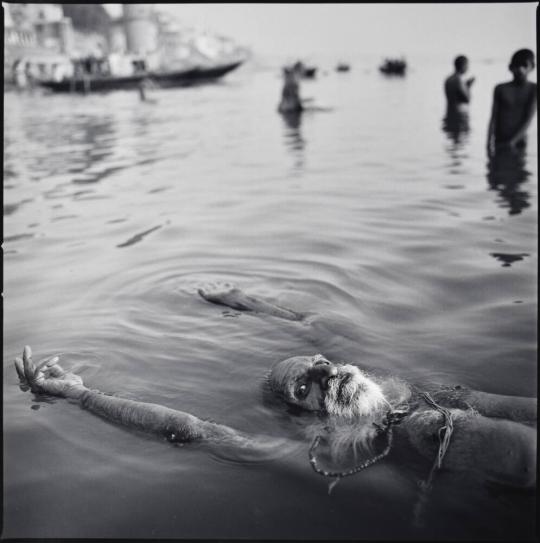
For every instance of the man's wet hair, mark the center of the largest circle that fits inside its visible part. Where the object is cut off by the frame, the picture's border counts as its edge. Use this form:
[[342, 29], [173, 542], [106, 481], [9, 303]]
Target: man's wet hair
[[522, 58], [460, 62]]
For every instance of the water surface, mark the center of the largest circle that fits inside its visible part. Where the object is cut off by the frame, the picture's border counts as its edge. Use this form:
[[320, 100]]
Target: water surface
[[116, 212]]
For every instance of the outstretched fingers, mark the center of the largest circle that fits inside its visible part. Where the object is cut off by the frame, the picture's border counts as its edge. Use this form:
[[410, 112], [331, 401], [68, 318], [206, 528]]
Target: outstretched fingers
[[56, 371], [48, 367], [49, 361], [28, 365], [19, 367], [46, 376], [31, 373]]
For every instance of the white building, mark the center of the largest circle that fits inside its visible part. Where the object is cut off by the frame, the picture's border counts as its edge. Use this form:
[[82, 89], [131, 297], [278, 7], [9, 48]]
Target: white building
[[36, 38]]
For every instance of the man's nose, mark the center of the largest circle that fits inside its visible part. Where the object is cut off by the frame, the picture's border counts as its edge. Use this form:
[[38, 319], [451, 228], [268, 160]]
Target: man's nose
[[322, 371]]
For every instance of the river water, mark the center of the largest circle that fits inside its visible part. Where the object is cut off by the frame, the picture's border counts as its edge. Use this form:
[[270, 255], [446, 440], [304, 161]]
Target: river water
[[117, 211]]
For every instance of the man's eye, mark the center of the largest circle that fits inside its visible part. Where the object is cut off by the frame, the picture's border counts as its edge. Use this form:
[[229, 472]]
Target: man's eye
[[302, 390]]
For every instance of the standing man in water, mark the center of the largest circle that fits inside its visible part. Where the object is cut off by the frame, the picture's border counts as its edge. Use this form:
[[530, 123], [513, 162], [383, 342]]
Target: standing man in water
[[514, 105], [290, 95], [458, 96], [457, 89]]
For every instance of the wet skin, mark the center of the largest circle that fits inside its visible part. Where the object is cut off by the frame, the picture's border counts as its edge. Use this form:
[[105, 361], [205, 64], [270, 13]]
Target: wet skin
[[458, 91], [514, 106], [339, 394]]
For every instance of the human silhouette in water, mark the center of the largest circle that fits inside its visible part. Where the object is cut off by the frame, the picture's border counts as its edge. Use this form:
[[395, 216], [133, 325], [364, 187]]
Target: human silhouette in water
[[290, 103], [514, 106], [457, 90]]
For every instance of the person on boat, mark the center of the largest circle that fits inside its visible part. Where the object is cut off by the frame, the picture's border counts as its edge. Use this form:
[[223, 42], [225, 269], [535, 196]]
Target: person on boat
[[514, 106], [457, 89], [353, 417]]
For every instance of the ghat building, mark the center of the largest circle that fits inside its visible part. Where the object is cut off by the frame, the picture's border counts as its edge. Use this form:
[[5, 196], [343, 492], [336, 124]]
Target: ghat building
[[165, 43], [36, 38], [42, 40]]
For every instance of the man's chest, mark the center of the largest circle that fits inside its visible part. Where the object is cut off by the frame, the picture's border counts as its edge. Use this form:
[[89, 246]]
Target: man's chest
[[515, 97]]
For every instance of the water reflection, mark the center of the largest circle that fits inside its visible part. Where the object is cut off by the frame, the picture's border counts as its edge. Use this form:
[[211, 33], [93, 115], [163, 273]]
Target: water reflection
[[65, 144], [508, 259], [96, 140], [293, 137], [506, 173], [456, 127]]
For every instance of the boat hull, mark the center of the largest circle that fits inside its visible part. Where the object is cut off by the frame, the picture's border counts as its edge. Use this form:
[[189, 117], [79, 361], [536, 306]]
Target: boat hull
[[180, 78], [193, 76]]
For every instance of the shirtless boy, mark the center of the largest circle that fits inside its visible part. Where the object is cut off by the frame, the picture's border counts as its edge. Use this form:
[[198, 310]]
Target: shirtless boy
[[514, 105]]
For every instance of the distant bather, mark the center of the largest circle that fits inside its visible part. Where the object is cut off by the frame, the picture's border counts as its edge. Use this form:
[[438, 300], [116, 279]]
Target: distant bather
[[290, 95]]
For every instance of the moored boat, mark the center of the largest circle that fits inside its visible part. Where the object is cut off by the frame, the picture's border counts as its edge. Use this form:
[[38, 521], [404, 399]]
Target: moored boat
[[343, 67], [192, 76], [85, 83], [394, 67]]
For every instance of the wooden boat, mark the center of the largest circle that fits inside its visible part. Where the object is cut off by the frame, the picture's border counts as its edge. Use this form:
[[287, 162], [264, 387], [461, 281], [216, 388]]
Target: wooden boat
[[342, 67], [393, 67], [193, 76], [106, 83], [309, 72]]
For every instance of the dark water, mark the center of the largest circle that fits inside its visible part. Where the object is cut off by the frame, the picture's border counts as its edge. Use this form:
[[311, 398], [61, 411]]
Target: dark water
[[116, 212]]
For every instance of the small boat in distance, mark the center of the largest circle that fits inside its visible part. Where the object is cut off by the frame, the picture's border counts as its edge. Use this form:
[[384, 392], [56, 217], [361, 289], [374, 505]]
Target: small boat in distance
[[96, 82], [309, 72], [394, 67], [343, 67]]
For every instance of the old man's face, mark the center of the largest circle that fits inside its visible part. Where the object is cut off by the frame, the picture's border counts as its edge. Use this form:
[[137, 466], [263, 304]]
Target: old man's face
[[316, 384]]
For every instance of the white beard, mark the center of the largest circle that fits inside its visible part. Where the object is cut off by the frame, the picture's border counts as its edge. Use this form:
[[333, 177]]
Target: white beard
[[358, 397]]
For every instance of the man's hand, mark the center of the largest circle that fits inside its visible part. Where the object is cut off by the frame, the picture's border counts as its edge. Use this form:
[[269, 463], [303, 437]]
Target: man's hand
[[47, 377], [513, 144], [507, 146], [490, 147], [470, 81]]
